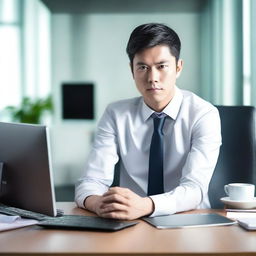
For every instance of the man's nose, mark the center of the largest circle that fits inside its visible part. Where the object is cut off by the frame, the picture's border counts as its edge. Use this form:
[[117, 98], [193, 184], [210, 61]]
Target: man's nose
[[153, 75]]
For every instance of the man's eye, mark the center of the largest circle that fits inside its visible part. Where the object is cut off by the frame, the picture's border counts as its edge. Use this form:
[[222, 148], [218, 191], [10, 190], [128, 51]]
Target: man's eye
[[143, 67], [162, 66]]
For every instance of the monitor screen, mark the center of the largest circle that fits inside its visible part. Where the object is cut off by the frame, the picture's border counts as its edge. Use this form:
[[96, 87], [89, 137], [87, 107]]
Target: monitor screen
[[26, 180], [77, 101]]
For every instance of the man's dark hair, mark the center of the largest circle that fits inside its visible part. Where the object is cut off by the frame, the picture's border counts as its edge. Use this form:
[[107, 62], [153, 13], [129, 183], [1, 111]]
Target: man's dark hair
[[150, 35]]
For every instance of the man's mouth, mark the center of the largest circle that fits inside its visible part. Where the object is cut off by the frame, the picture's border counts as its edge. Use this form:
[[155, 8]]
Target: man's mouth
[[154, 89]]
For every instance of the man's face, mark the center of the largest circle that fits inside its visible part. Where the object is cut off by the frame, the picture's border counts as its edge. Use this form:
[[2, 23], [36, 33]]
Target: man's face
[[155, 72]]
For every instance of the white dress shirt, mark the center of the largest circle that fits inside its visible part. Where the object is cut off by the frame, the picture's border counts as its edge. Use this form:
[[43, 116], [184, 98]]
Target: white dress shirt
[[192, 138]]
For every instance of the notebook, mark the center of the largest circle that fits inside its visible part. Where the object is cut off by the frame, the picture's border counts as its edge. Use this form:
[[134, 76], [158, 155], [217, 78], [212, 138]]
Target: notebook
[[79, 222], [189, 220]]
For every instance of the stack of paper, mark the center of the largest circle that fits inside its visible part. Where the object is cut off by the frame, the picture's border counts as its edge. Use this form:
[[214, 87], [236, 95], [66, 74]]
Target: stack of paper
[[245, 217], [13, 222], [240, 213]]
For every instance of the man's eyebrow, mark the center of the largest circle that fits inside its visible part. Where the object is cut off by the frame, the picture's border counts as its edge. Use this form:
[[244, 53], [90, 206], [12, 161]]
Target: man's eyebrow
[[140, 63], [162, 62], [157, 63]]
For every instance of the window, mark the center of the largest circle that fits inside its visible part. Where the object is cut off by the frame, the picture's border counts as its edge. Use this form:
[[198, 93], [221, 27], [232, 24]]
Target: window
[[10, 66], [24, 51]]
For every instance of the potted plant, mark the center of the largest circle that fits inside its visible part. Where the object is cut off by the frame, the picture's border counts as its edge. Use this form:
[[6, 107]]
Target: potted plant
[[30, 111]]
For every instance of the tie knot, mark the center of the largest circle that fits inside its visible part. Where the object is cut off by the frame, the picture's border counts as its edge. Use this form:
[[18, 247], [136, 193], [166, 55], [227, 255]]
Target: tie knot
[[158, 115], [159, 119]]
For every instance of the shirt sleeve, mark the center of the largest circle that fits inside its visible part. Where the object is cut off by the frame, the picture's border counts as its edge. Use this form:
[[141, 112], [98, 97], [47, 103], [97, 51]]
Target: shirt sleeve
[[99, 170], [197, 171]]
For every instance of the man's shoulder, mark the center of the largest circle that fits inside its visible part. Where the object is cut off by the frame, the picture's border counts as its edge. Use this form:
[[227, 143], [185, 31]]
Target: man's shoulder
[[193, 100], [196, 105]]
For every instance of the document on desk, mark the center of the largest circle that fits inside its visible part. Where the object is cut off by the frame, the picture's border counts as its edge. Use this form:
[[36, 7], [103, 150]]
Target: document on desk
[[240, 213], [12, 222], [189, 220]]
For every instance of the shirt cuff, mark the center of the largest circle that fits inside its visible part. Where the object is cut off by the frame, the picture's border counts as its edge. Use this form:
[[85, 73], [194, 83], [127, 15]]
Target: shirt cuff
[[80, 199], [83, 190], [165, 204]]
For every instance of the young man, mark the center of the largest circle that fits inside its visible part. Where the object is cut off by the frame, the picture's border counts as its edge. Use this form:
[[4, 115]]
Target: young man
[[167, 141]]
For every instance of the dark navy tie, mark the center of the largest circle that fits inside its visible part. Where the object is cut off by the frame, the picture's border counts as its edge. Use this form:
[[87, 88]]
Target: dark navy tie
[[155, 174]]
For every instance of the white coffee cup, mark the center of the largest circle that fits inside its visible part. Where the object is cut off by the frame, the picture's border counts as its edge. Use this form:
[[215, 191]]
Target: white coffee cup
[[240, 191]]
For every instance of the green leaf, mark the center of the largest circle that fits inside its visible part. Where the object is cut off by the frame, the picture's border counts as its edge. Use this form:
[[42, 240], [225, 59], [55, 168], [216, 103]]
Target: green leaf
[[30, 111]]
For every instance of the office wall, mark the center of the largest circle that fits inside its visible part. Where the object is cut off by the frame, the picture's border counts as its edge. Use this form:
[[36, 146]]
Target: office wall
[[91, 47]]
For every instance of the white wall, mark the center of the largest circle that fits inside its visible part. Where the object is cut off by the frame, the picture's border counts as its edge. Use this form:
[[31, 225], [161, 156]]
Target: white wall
[[91, 47]]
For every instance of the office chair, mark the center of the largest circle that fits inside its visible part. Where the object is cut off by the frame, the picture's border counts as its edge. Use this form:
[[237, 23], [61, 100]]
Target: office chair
[[236, 162]]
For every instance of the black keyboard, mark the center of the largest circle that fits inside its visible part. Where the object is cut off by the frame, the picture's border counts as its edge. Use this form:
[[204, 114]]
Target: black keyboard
[[10, 210], [79, 222]]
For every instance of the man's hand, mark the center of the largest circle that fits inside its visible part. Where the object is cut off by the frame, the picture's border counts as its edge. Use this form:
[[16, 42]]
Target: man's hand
[[120, 203]]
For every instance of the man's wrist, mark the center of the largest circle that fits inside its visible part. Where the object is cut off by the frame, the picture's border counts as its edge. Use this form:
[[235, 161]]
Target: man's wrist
[[84, 203], [90, 202], [150, 206]]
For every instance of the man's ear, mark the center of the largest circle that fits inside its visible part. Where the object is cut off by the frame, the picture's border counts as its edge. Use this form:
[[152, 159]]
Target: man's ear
[[131, 67], [179, 67]]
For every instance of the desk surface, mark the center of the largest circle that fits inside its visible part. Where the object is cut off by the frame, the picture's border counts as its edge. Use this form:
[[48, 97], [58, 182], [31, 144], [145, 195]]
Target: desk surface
[[141, 239]]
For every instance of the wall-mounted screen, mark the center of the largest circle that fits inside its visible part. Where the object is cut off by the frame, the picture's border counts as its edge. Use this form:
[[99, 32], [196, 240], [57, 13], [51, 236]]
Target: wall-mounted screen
[[78, 101]]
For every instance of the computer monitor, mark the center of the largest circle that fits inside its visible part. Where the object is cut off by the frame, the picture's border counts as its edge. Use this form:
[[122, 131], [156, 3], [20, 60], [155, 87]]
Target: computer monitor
[[26, 179]]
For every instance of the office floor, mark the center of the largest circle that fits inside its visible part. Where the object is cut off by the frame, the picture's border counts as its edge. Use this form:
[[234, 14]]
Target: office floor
[[65, 193]]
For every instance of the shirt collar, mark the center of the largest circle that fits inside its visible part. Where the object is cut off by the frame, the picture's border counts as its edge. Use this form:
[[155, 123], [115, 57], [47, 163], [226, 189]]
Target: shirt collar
[[172, 109]]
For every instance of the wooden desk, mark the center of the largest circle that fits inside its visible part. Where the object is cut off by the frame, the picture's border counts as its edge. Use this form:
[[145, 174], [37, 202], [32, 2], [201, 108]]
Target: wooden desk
[[142, 239]]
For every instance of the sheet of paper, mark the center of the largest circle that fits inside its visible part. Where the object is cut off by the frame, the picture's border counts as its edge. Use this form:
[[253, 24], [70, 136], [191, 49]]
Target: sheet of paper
[[13, 222], [238, 215]]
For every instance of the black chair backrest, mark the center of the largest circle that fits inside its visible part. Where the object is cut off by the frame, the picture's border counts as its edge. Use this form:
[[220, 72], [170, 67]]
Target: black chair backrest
[[236, 162]]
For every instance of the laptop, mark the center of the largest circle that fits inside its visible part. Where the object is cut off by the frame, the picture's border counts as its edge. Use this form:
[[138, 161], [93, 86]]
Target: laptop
[[26, 180]]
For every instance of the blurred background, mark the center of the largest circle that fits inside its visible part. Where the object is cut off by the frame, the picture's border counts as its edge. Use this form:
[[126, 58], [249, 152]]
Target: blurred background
[[63, 61]]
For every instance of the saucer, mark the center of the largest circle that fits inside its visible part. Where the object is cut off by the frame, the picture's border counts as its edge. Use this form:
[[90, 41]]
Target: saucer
[[239, 204]]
